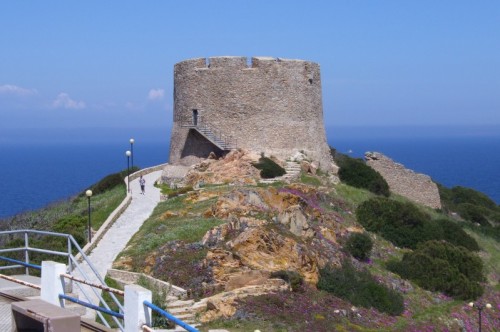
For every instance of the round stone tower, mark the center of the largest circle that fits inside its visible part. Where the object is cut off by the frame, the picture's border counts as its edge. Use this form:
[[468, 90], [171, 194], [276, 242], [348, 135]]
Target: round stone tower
[[271, 105]]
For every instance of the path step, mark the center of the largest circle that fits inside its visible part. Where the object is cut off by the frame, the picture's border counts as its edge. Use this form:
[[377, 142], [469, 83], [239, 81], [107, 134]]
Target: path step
[[180, 304]]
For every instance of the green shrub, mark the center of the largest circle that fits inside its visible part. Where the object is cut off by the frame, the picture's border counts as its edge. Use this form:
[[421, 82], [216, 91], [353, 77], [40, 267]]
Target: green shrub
[[359, 245], [292, 277], [441, 266], [74, 225], [111, 181], [454, 234], [360, 288], [473, 213], [467, 195], [405, 225], [268, 168], [400, 223], [470, 204], [356, 173]]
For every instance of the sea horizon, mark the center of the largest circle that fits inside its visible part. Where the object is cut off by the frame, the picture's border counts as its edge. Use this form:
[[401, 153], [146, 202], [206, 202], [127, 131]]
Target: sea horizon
[[455, 156]]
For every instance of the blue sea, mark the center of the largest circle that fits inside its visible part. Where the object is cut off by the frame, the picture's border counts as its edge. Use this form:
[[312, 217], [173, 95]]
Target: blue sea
[[33, 175]]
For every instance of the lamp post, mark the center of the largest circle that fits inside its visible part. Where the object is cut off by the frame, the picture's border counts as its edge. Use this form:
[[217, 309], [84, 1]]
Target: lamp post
[[128, 154], [132, 151], [479, 307], [89, 194]]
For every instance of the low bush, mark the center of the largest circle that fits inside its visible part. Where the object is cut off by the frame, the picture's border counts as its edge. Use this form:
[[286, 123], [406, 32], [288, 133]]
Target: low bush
[[359, 245], [454, 234], [268, 168], [292, 277], [441, 266], [74, 225], [470, 204], [405, 225], [356, 173], [400, 223], [110, 181], [461, 195], [174, 192], [473, 213], [360, 288]]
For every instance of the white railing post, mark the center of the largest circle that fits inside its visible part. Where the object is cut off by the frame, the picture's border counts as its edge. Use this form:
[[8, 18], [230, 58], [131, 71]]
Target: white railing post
[[136, 313], [52, 284]]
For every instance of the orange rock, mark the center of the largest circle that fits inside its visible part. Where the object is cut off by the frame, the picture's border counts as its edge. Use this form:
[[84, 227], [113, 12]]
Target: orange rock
[[261, 249]]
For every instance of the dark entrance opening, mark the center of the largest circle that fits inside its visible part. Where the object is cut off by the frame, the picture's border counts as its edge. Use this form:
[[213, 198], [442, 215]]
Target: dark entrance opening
[[195, 117]]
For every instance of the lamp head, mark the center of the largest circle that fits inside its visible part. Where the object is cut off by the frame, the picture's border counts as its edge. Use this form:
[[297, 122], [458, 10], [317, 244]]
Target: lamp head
[[488, 306], [128, 153], [471, 304], [88, 193], [132, 141]]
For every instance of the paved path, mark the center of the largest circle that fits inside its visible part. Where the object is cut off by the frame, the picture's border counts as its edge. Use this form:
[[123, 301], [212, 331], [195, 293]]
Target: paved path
[[117, 237]]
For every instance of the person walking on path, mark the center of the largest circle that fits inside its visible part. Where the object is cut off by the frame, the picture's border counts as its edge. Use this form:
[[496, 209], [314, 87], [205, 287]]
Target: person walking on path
[[142, 182]]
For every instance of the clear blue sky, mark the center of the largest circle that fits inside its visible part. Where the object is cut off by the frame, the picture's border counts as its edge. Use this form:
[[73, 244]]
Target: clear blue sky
[[69, 64]]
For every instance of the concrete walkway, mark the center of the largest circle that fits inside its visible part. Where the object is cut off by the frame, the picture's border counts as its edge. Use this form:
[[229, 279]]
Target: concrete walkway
[[117, 237]]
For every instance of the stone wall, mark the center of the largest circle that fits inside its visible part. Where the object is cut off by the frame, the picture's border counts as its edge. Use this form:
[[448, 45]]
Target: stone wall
[[405, 182], [271, 105]]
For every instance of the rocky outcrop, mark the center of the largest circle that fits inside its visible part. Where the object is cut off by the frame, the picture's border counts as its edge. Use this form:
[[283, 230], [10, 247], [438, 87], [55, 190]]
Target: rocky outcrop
[[174, 174], [267, 250], [296, 220], [236, 167], [224, 305], [417, 187]]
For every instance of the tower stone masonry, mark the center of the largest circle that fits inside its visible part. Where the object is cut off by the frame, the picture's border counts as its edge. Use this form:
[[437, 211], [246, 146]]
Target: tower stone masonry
[[269, 105]]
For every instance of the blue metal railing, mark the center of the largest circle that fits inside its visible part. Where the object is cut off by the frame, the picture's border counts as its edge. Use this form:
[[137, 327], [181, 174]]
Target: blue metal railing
[[73, 263], [90, 305], [11, 260], [170, 317]]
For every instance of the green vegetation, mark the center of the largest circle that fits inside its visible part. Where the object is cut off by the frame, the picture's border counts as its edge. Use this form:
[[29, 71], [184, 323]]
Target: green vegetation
[[110, 181], [406, 225], [106, 296], [356, 173], [471, 205], [70, 217], [311, 180], [268, 168], [360, 288], [159, 298], [173, 192], [443, 267], [359, 245]]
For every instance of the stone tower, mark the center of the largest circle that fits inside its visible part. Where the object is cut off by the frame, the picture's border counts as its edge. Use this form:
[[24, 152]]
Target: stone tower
[[271, 105]]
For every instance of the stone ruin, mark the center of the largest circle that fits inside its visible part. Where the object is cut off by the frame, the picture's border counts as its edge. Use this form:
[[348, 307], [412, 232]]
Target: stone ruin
[[417, 187]]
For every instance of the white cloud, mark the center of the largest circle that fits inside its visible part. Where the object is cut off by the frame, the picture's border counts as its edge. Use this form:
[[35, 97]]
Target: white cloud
[[64, 101], [16, 90], [156, 94]]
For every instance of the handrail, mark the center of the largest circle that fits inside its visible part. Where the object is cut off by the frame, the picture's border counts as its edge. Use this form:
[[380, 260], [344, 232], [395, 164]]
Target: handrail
[[11, 260], [104, 288], [171, 317], [204, 127], [72, 264], [21, 282], [92, 306], [99, 297]]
